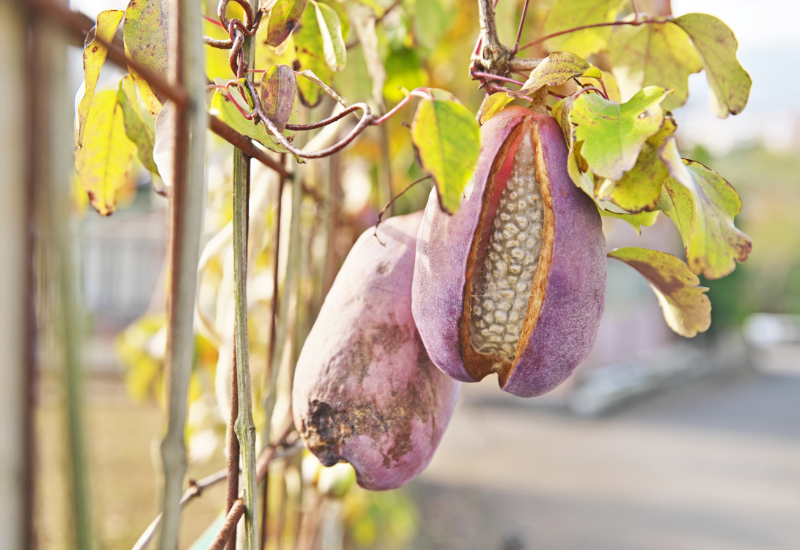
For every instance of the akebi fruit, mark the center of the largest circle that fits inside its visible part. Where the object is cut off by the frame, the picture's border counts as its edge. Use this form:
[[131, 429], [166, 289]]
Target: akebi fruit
[[365, 391], [514, 281]]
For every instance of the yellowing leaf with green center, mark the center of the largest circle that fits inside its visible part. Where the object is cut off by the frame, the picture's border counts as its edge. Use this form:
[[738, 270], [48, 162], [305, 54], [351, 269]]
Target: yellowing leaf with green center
[[136, 130], [569, 14], [493, 104], [640, 188], [146, 32], [448, 140], [715, 243], [330, 29], [614, 134], [309, 48], [227, 112], [105, 159], [686, 308], [717, 46], [653, 55], [94, 55], [554, 70], [636, 221], [677, 202], [283, 17]]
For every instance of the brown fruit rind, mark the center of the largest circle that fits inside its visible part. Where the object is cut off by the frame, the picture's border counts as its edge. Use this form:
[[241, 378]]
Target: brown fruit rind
[[567, 294], [365, 391]]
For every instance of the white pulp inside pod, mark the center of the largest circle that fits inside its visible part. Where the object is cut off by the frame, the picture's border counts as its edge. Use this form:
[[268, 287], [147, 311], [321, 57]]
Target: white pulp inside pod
[[503, 287]]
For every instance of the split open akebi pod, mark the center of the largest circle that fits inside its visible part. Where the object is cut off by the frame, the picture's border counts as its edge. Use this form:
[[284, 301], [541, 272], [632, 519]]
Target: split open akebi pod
[[365, 391], [514, 281]]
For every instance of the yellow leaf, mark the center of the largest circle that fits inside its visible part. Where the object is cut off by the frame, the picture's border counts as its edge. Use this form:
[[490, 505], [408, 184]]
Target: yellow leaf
[[105, 159]]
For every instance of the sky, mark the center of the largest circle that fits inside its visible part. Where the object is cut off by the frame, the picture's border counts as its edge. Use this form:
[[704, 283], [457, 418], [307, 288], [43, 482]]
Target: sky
[[769, 49]]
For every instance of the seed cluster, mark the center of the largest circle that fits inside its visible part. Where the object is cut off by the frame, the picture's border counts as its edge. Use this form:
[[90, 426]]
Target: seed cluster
[[500, 298]]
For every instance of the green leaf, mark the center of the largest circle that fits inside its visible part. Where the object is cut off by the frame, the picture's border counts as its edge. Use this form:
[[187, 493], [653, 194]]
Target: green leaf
[[105, 159], [432, 19], [403, 69], [653, 55], [136, 130], [309, 48], [227, 112], [279, 95], [94, 55], [363, 20], [344, 18], [614, 134], [554, 70], [331, 31], [448, 140], [715, 243], [640, 188], [146, 41], [677, 203], [283, 17], [569, 14], [686, 308], [636, 221], [717, 46], [493, 105]]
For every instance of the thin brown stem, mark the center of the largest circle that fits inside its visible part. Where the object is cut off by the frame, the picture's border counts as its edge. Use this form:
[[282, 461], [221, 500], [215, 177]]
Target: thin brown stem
[[592, 26], [387, 11], [271, 347], [521, 24], [391, 201], [241, 142], [227, 531], [73, 22], [522, 64], [489, 76], [365, 121], [378, 20], [264, 513], [232, 493], [338, 116], [489, 28], [280, 450]]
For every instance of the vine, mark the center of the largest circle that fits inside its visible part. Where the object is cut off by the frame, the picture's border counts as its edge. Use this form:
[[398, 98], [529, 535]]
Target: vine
[[622, 154]]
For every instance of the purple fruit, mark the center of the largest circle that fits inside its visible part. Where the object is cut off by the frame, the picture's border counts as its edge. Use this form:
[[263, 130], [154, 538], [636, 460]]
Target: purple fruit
[[365, 391], [514, 282]]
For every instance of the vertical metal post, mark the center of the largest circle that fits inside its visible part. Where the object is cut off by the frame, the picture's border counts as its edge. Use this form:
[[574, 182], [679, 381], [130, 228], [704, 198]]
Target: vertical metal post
[[50, 163], [186, 209], [16, 334]]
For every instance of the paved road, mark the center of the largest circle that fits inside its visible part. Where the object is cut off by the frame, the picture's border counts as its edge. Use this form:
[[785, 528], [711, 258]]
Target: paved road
[[711, 465]]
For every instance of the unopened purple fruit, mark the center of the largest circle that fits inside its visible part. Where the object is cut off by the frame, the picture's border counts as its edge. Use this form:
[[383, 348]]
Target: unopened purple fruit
[[365, 391], [514, 282]]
